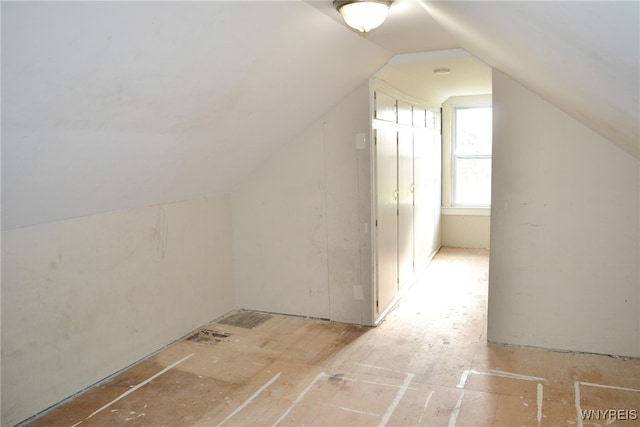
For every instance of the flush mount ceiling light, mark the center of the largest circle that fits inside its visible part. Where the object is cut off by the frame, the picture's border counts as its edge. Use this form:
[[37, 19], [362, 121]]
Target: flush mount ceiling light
[[363, 15]]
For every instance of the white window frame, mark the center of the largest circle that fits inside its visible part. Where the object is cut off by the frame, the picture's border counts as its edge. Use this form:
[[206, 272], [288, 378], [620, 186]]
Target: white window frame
[[455, 157], [448, 208]]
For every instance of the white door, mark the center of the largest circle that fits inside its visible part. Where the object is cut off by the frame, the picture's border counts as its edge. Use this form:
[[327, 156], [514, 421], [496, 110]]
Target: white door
[[405, 206], [424, 196], [436, 177], [386, 215]]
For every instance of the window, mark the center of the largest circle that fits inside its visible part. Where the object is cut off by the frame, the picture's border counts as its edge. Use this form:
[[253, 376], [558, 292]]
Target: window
[[472, 156]]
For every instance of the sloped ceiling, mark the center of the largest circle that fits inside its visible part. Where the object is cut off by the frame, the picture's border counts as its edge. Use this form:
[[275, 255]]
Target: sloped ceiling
[[582, 57], [116, 105]]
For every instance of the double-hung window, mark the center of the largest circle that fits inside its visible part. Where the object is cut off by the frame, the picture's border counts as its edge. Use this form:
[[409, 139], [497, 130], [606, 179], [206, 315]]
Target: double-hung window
[[471, 155]]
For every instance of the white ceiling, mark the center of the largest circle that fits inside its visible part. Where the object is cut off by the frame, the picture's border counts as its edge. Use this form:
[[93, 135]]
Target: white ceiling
[[116, 105], [420, 45], [582, 56], [414, 74]]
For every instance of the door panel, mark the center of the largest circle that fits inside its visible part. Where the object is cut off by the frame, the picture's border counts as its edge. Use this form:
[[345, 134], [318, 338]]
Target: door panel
[[419, 117], [385, 107], [405, 206], [424, 196], [405, 113], [436, 163], [387, 214]]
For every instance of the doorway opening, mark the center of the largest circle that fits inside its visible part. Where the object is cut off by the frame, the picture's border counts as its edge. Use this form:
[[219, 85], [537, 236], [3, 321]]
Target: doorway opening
[[431, 136]]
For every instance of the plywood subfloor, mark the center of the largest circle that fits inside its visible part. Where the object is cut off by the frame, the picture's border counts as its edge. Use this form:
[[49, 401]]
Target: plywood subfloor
[[428, 363]]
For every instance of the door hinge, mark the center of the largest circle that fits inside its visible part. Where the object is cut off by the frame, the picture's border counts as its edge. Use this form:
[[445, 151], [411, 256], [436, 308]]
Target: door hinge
[[375, 105]]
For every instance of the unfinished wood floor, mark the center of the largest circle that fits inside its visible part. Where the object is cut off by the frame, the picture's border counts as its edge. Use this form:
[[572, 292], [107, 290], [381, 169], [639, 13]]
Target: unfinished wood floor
[[428, 363]]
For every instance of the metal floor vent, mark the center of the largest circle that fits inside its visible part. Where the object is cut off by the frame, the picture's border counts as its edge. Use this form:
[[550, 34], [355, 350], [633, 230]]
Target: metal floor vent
[[246, 319], [207, 336]]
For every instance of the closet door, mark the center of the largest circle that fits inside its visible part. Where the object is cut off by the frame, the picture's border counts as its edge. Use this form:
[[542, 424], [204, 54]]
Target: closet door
[[424, 196], [386, 214], [405, 206], [405, 113], [385, 108], [436, 176]]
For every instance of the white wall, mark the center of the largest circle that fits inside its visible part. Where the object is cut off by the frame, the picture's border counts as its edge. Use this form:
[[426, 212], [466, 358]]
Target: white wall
[[465, 230], [83, 298], [564, 231], [299, 223], [348, 203]]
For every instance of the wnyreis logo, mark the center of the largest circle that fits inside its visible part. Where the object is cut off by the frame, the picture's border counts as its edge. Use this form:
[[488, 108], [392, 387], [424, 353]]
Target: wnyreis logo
[[609, 414]]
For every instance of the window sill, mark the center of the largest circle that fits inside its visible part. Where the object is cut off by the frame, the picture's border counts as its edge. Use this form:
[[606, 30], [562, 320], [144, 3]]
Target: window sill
[[464, 211]]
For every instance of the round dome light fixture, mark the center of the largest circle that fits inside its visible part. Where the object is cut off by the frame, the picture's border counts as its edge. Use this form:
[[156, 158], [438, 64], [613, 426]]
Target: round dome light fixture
[[363, 15]]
